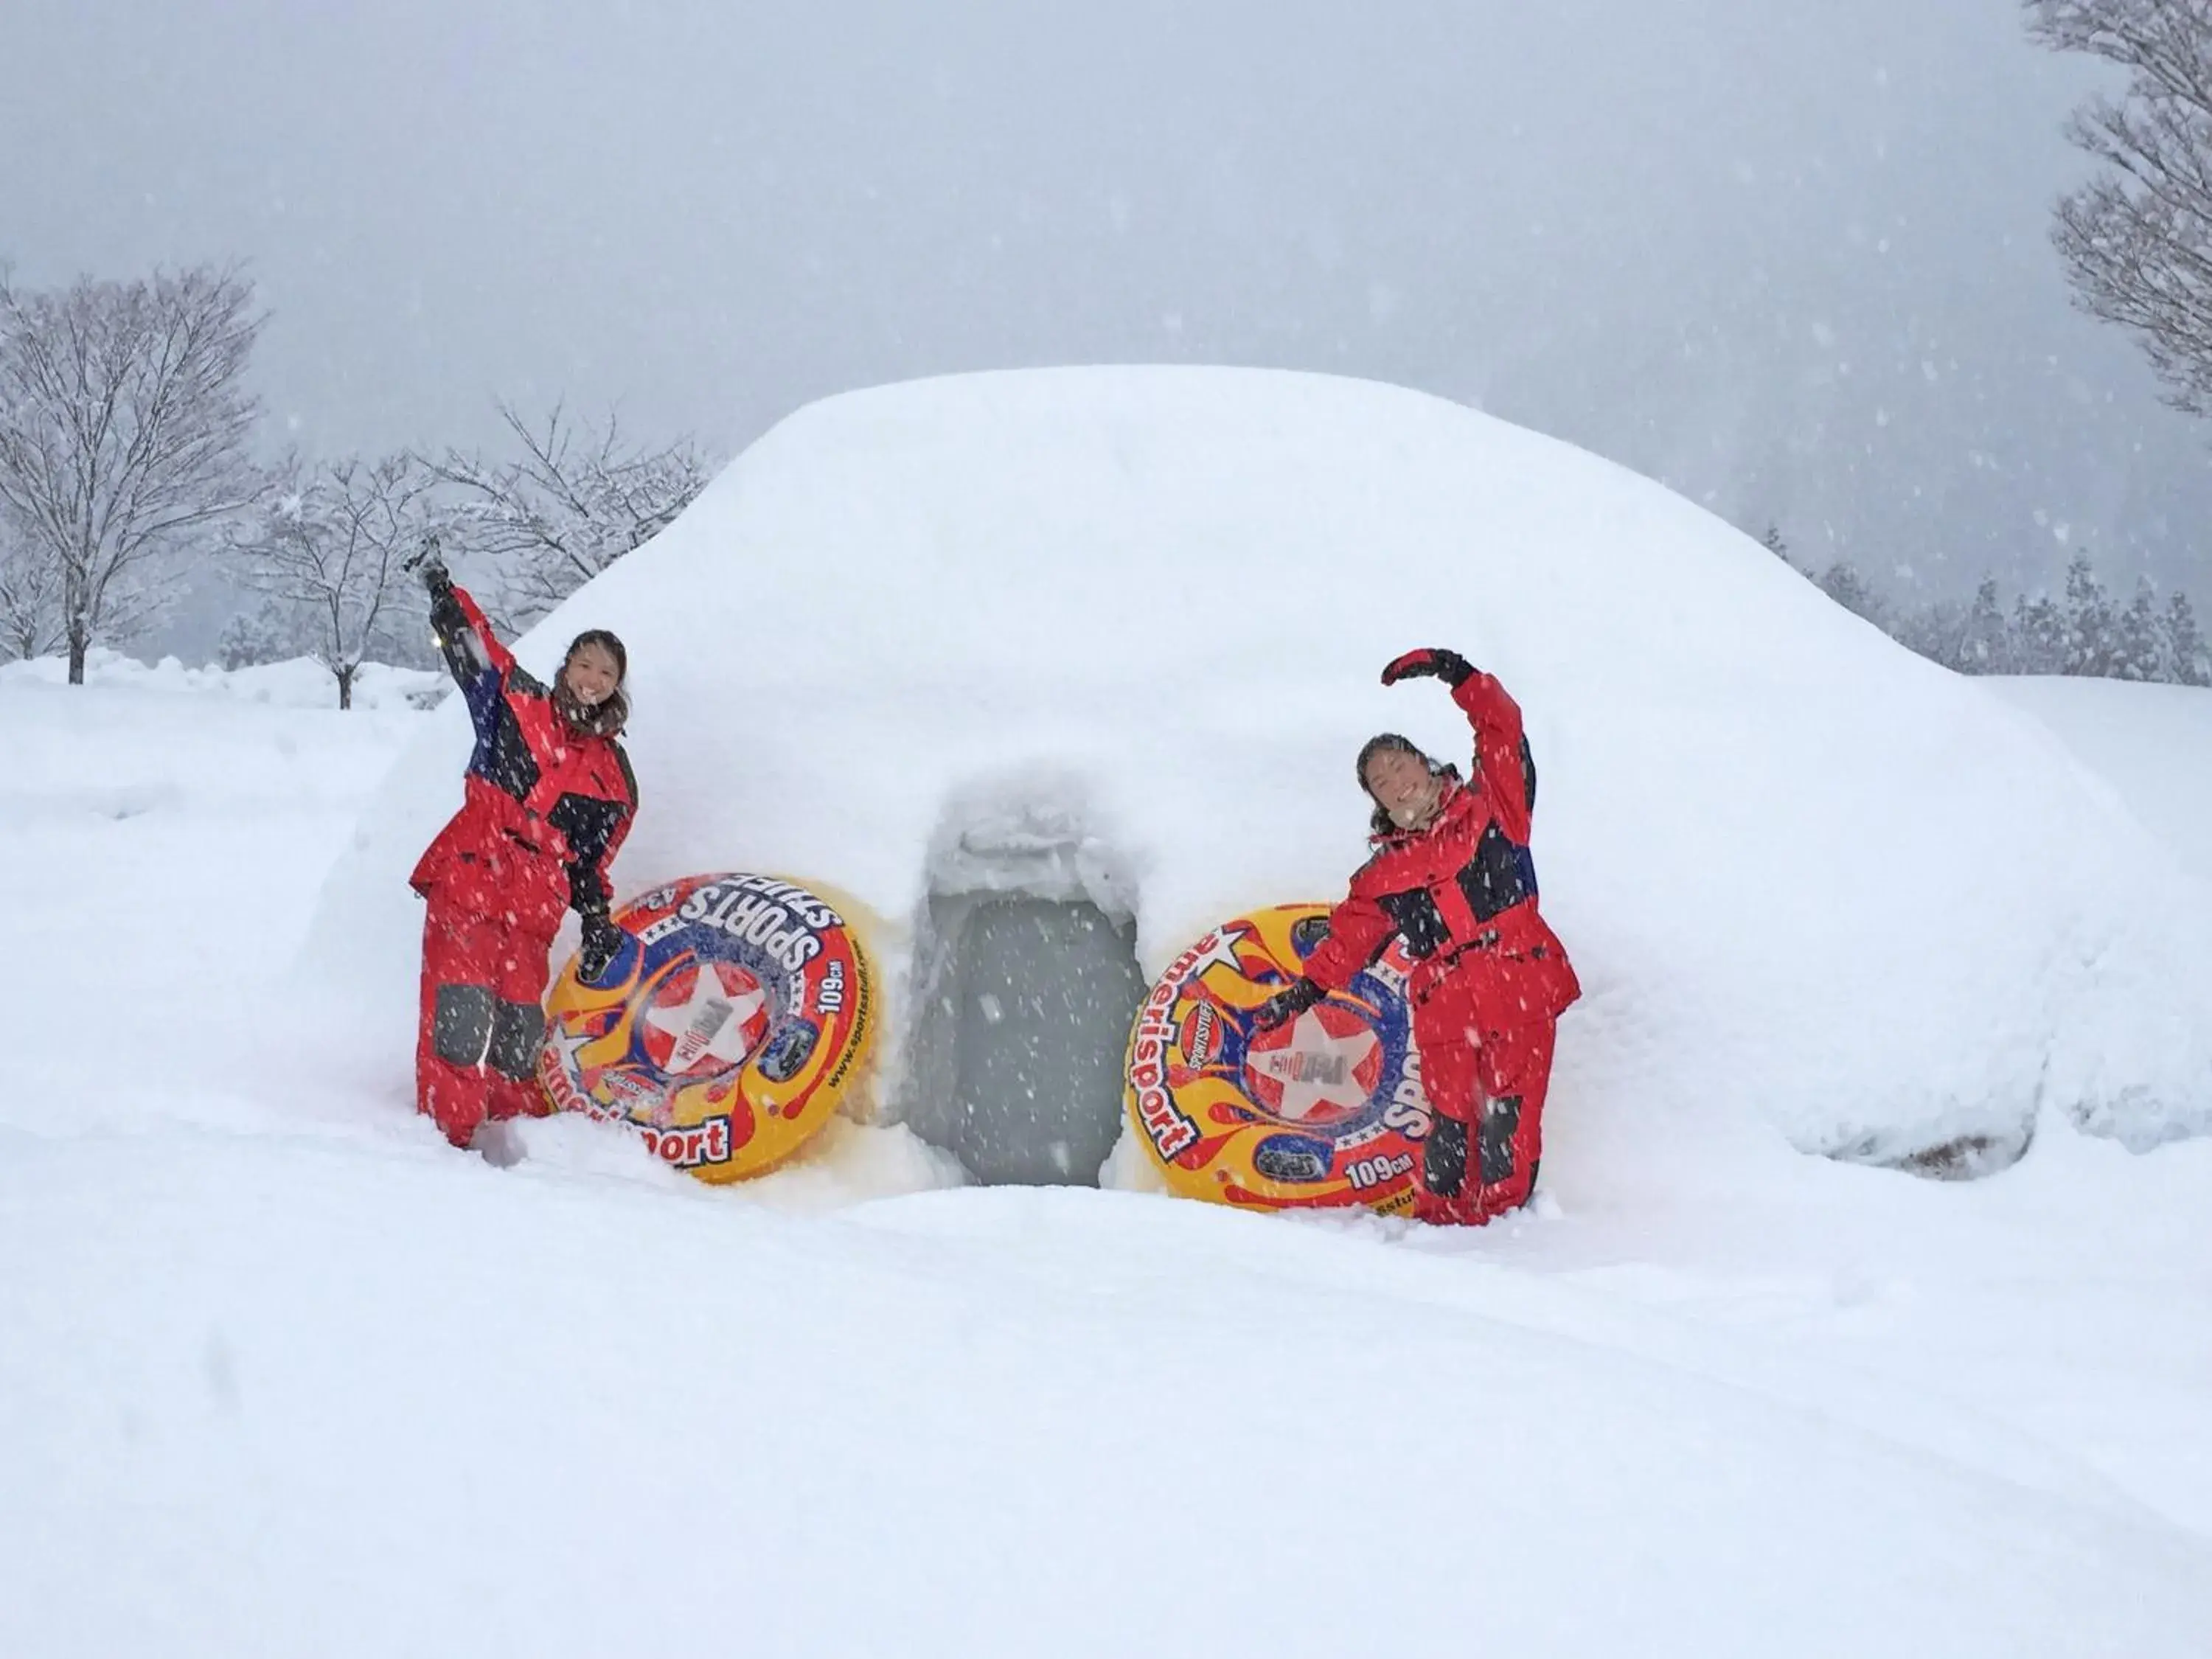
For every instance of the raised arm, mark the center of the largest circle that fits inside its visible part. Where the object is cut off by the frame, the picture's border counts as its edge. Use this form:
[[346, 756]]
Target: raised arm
[[464, 633], [1501, 746], [1501, 749]]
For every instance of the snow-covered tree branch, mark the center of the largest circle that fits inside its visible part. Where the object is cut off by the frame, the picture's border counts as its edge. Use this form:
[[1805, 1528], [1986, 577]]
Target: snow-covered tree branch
[[2137, 239], [327, 544], [577, 499], [123, 433], [30, 599]]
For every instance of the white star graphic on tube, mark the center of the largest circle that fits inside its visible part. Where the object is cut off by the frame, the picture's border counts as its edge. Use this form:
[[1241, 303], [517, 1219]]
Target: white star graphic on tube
[[572, 1045], [1316, 1070], [710, 1026]]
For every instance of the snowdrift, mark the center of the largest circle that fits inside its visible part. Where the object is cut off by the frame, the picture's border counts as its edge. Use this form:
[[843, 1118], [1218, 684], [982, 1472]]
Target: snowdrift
[[1132, 619]]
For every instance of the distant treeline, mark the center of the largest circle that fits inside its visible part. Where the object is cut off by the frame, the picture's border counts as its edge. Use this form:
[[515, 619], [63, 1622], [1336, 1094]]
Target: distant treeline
[[2083, 631]]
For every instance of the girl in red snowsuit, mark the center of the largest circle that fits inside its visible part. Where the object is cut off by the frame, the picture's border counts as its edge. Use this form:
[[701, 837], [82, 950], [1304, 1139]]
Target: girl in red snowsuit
[[548, 797], [1451, 876]]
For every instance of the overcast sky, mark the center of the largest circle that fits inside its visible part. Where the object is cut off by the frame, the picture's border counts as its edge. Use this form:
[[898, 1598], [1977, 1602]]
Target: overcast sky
[[1788, 255]]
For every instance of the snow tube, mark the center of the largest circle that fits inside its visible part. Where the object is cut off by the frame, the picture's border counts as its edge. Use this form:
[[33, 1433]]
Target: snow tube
[[736, 1015], [1326, 1109]]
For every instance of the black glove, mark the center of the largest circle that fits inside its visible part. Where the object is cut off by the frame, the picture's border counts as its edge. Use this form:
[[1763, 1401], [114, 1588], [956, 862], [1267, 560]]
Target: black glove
[[1448, 666], [448, 620], [432, 574], [602, 941], [1286, 1005]]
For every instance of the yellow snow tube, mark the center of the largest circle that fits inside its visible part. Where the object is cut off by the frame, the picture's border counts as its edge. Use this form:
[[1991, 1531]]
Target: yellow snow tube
[[738, 1013], [1325, 1110]]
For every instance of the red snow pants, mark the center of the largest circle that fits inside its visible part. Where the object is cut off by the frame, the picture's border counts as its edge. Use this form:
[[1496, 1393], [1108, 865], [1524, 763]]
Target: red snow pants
[[1486, 1087], [484, 960]]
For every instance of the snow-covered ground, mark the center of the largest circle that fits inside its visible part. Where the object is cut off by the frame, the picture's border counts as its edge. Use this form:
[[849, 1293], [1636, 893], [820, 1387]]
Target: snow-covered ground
[[301, 682], [280, 1374]]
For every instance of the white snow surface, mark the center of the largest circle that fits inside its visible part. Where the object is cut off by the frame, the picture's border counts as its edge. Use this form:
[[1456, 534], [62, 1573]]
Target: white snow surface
[[2151, 745], [282, 1374], [1812, 884], [301, 682]]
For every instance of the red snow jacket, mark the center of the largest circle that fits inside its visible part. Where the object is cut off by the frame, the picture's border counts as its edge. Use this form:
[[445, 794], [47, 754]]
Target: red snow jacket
[[1462, 892], [544, 802]]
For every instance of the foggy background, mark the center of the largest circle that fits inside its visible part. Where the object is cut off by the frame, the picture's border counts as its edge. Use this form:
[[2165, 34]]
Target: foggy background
[[1789, 256]]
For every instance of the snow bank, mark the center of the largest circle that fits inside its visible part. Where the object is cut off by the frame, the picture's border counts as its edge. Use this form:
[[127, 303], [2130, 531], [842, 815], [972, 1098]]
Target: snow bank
[[301, 682], [278, 1397], [1814, 885]]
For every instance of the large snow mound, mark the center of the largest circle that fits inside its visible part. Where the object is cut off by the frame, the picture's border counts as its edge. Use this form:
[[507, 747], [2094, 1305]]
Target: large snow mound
[[1812, 884]]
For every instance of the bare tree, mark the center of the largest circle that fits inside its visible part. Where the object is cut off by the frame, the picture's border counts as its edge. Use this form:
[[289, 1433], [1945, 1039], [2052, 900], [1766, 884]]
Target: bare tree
[[30, 599], [577, 499], [123, 430], [327, 544], [2137, 239]]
